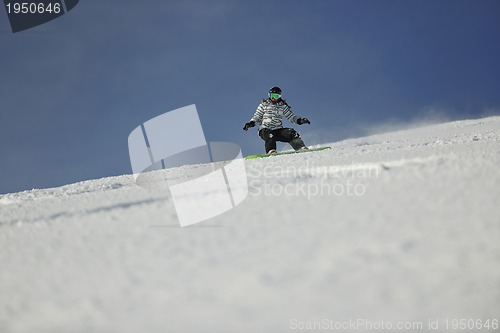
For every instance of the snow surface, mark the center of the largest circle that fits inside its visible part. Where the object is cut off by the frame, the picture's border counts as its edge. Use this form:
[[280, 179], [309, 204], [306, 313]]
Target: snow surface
[[395, 227]]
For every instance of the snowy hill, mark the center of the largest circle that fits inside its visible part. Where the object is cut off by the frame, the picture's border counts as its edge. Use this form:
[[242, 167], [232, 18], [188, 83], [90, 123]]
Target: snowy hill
[[393, 229]]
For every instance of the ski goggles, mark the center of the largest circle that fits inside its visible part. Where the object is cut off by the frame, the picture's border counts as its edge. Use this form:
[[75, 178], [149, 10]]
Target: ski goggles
[[274, 95]]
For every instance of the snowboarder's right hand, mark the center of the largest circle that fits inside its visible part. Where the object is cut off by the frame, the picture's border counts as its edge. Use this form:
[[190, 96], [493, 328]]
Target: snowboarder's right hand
[[251, 123]]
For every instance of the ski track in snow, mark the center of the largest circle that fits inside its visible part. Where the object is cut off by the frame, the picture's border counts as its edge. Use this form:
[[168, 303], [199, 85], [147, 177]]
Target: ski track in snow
[[420, 242]]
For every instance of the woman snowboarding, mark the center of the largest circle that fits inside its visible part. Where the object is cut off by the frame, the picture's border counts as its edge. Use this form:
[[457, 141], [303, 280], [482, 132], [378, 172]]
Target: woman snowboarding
[[269, 115]]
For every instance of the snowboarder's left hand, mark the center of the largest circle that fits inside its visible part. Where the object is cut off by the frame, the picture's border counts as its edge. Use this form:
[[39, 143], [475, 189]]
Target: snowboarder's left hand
[[302, 121]]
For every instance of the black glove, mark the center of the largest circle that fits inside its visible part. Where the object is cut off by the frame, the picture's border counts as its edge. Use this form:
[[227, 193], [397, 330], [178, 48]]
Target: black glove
[[302, 121], [251, 123]]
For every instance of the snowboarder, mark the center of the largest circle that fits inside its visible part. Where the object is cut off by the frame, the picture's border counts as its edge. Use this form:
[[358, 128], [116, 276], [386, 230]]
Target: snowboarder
[[269, 114]]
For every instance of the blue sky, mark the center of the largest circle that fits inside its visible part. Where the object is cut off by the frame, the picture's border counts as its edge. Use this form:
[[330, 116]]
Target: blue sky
[[73, 89]]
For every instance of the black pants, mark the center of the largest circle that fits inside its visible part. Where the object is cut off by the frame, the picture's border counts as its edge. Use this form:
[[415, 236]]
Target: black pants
[[283, 135]]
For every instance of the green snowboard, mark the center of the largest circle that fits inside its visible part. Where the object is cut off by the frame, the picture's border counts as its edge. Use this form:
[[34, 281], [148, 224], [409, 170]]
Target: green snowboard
[[250, 157]]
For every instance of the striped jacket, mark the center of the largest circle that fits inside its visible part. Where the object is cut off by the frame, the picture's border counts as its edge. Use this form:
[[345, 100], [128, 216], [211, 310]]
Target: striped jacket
[[269, 115]]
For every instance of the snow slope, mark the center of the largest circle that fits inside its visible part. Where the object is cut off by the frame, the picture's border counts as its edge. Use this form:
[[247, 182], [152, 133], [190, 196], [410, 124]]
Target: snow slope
[[391, 229]]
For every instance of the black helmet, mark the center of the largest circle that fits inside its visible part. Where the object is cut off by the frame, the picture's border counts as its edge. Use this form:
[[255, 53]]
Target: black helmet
[[275, 90], [274, 93]]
